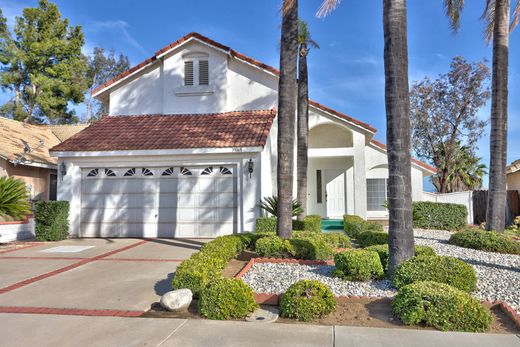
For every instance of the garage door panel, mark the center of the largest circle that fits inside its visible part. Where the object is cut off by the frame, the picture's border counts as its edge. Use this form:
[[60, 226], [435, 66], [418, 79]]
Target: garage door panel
[[185, 215], [90, 215], [169, 185], [168, 200], [186, 200], [207, 185], [101, 186], [100, 201], [226, 200], [187, 185], [185, 230], [134, 200], [206, 215], [138, 186], [226, 184], [136, 215], [225, 215], [207, 200]]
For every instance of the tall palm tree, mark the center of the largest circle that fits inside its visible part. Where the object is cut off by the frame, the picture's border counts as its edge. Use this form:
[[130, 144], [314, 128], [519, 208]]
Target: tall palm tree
[[286, 116], [498, 26], [400, 233], [305, 42]]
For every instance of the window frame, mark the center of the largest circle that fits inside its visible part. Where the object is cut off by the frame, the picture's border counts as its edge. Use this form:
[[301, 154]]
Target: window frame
[[370, 204]]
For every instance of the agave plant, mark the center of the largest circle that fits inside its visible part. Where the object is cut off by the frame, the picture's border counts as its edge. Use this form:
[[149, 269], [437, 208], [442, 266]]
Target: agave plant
[[270, 205], [14, 198]]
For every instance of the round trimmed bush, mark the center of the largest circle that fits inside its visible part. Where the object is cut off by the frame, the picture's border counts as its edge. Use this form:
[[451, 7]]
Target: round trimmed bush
[[312, 248], [225, 247], [337, 240], [441, 306], [370, 238], [307, 300], [447, 270], [382, 250], [490, 241], [226, 298], [358, 265], [272, 247]]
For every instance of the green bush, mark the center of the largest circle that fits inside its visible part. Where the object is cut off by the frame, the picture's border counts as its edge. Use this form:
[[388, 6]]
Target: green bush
[[337, 240], [14, 199], [353, 225], [382, 250], [225, 247], [441, 306], [357, 265], [441, 216], [226, 298], [307, 300], [447, 270], [370, 238], [490, 241], [265, 225], [312, 248], [272, 247], [52, 220], [312, 223]]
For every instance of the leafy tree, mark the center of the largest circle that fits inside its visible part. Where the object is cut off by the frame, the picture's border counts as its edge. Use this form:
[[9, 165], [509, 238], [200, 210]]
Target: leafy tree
[[305, 41], [101, 68], [444, 116], [43, 67], [498, 25]]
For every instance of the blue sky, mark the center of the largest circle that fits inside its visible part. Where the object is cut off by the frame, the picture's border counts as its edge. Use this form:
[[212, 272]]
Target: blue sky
[[346, 73]]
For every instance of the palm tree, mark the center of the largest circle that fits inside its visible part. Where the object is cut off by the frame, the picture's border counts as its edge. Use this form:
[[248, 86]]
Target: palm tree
[[400, 233], [498, 26], [305, 41], [286, 116]]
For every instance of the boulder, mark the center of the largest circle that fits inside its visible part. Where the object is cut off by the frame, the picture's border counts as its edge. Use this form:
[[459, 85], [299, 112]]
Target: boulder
[[177, 300]]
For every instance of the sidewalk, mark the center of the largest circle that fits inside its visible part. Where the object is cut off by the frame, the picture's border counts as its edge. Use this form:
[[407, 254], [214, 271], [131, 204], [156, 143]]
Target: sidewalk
[[55, 330]]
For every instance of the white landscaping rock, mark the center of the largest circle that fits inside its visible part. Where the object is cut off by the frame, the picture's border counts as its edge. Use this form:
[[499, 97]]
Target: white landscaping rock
[[177, 300]]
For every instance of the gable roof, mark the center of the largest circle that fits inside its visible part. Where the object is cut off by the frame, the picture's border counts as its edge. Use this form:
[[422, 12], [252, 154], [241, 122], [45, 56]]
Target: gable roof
[[232, 53], [13, 135], [513, 167], [418, 163], [148, 132]]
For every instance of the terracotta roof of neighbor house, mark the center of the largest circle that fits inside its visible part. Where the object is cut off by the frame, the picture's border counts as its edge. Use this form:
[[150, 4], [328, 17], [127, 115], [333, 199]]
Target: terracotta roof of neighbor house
[[513, 167], [233, 53], [415, 161], [13, 135], [148, 132]]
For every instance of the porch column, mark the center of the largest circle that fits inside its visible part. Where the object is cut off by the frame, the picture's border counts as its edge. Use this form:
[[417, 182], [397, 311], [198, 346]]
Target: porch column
[[360, 176]]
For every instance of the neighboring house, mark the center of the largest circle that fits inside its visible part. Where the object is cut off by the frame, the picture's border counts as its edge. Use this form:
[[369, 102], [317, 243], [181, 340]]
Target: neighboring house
[[24, 154], [189, 150], [513, 175]]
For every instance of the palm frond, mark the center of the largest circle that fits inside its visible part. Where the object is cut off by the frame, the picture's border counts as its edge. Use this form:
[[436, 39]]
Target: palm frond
[[326, 7], [453, 10], [304, 35], [14, 198], [287, 4], [270, 205], [488, 16], [516, 16]]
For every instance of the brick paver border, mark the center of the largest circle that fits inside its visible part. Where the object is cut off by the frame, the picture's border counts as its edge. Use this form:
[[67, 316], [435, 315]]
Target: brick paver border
[[70, 311], [27, 245]]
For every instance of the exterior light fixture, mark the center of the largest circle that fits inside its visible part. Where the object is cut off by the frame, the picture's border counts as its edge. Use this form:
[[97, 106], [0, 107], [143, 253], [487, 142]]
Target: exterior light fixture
[[63, 169], [250, 167]]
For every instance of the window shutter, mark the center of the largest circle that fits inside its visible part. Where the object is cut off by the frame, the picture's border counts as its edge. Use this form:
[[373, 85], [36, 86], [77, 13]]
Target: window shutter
[[188, 73], [203, 72]]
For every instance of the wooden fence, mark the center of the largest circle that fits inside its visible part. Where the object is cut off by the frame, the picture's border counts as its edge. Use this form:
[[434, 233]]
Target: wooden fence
[[480, 206]]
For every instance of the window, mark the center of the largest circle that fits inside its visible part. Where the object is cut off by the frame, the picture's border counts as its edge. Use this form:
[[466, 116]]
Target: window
[[319, 188], [203, 72], [110, 173], [225, 171], [168, 172], [129, 172], [376, 194], [185, 171], [207, 171], [93, 173], [188, 73], [146, 172]]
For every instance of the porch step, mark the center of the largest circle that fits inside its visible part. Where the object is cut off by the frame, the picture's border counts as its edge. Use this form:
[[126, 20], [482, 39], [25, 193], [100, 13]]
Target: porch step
[[331, 224]]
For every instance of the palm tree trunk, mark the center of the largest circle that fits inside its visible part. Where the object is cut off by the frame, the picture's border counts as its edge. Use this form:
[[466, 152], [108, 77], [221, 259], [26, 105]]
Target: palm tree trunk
[[496, 205], [400, 239], [302, 130], [286, 116]]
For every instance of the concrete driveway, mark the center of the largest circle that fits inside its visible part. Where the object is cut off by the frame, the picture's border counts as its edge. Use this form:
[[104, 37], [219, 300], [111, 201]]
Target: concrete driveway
[[111, 275]]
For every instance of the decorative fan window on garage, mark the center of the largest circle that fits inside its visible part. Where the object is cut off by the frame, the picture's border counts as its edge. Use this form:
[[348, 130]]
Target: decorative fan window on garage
[[146, 172], [110, 173], [129, 172], [225, 171], [185, 171], [168, 172], [207, 171], [93, 173]]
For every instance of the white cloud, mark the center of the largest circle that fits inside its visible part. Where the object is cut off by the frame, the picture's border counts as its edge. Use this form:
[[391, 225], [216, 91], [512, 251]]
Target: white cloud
[[118, 27]]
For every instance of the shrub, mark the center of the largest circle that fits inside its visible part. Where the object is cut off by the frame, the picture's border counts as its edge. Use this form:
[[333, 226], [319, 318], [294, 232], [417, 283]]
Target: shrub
[[447, 270], [226, 298], [272, 247], [369, 238], [307, 300], [265, 225], [358, 265], [441, 306], [337, 240], [353, 225], [382, 250], [225, 247], [436, 215], [14, 199], [312, 223], [270, 205], [312, 248], [490, 241], [52, 220]]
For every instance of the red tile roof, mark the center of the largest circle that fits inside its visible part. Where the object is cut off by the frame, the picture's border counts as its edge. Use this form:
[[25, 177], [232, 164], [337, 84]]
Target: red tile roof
[[233, 53], [148, 132], [415, 161]]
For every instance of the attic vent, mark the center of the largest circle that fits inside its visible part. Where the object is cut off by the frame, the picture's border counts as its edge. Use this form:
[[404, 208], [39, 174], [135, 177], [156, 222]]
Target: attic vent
[[188, 73], [203, 72]]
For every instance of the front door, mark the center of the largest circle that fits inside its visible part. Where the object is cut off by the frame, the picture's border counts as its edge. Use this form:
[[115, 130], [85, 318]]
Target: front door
[[335, 192]]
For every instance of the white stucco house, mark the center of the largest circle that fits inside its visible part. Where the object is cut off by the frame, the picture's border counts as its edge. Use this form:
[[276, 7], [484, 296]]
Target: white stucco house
[[189, 150]]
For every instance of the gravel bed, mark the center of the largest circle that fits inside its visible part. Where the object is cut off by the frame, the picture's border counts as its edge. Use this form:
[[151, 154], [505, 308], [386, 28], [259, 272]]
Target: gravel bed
[[498, 274]]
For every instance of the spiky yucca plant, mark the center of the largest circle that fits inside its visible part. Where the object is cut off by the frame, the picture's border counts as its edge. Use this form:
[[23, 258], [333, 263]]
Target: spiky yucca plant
[[270, 205], [14, 198]]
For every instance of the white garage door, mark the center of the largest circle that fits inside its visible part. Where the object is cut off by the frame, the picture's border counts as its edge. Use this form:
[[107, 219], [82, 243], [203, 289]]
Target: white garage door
[[184, 201]]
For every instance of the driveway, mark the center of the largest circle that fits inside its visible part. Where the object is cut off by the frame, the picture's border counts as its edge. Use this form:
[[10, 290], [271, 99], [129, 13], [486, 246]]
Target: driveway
[[105, 276]]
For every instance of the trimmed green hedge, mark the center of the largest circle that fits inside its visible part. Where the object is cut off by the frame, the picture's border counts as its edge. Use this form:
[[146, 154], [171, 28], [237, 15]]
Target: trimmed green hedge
[[353, 225], [337, 240], [272, 247], [52, 220], [312, 248], [447, 270], [307, 300], [265, 225], [226, 298], [441, 306], [357, 265], [382, 250], [489, 241], [441, 216], [310, 223], [370, 238]]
